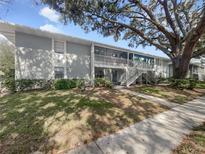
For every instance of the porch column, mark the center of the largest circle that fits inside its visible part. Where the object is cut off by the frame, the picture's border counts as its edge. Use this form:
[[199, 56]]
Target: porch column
[[128, 58], [126, 74], [92, 65], [65, 60], [52, 59]]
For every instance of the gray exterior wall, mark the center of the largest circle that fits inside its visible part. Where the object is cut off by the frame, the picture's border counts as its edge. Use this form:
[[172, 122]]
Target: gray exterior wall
[[33, 57], [201, 73], [162, 68], [78, 60], [36, 58]]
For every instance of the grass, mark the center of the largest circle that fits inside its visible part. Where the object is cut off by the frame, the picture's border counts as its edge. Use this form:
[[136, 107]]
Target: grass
[[170, 94], [193, 143], [200, 85], [54, 121]]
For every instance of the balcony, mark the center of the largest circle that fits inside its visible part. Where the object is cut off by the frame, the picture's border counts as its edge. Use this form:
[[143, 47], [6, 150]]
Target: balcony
[[110, 61], [101, 60]]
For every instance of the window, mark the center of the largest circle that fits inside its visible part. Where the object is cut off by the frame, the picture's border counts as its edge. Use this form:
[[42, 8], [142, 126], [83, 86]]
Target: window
[[99, 73], [131, 56], [59, 46], [195, 69], [59, 72], [123, 55], [158, 62], [100, 51]]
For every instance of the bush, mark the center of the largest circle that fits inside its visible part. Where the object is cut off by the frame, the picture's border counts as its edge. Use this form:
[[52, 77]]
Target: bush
[[192, 84], [102, 82], [61, 84], [183, 83], [9, 80], [28, 84], [180, 83], [68, 84]]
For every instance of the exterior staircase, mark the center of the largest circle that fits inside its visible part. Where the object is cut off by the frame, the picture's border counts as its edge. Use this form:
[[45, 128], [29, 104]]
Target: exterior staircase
[[136, 71]]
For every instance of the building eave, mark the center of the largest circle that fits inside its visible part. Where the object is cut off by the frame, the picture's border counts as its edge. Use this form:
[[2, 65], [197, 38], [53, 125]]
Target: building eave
[[41, 33]]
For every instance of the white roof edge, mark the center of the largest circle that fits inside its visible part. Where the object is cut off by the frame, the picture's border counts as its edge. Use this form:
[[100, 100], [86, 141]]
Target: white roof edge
[[36, 31]]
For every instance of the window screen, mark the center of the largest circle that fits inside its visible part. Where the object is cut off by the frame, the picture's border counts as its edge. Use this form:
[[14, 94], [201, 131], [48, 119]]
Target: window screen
[[59, 72], [59, 46]]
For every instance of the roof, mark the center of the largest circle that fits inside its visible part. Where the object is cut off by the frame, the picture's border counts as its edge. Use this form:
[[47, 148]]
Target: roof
[[38, 32]]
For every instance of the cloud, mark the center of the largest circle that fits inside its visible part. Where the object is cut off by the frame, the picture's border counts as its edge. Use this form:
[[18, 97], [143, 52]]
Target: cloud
[[51, 14], [50, 28]]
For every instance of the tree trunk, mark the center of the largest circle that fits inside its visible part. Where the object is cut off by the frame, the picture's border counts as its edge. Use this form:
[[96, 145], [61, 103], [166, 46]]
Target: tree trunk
[[180, 67]]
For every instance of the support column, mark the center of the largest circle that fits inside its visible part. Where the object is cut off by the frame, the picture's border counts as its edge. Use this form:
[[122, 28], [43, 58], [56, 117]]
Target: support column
[[52, 59], [126, 74], [92, 65], [128, 58], [65, 58], [111, 76]]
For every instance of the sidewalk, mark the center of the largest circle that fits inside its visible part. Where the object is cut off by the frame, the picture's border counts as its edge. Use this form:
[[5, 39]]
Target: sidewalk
[[159, 134], [153, 99]]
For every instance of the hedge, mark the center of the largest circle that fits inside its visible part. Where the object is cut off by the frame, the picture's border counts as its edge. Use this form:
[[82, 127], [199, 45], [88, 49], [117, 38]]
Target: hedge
[[103, 82], [68, 83], [28, 84], [183, 83]]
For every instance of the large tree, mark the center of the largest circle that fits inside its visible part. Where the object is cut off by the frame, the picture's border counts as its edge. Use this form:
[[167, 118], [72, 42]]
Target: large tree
[[172, 26]]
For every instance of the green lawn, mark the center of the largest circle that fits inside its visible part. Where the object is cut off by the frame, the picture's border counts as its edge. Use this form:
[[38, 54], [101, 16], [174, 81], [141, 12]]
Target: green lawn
[[194, 143], [200, 85], [170, 94], [52, 121]]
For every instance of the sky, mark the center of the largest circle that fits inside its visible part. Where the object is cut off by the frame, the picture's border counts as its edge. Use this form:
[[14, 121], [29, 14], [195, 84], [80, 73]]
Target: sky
[[28, 13]]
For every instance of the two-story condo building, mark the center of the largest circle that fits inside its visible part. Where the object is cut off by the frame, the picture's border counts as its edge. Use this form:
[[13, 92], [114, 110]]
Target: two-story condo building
[[44, 55]]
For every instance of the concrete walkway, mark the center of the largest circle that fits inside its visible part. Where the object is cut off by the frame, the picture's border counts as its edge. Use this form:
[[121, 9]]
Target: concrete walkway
[[159, 134], [153, 99]]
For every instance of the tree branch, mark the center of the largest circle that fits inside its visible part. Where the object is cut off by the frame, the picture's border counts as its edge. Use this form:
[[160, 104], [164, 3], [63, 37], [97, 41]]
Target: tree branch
[[155, 22], [198, 53], [178, 21], [168, 17], [194, 35], [138, 32]]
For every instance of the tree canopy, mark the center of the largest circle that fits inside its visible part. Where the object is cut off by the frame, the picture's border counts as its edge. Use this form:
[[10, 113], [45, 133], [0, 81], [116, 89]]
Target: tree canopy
[[6, 57], [172, 26]]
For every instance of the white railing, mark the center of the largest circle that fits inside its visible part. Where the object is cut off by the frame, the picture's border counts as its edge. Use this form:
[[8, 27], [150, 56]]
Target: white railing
[[134, 77], [140, 65], [109, 60], [135, 71]]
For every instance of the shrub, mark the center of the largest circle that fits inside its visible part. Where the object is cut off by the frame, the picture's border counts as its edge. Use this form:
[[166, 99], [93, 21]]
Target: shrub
[[102, 82], [183, 83], [61, 84], [180, 83], [28, 84], [79, 83], [68, 84], [192, 84], [9, 80]]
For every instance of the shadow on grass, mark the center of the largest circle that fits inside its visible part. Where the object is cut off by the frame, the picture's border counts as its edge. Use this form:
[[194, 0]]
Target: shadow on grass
[[26, 118], [23, 115], [194, 142], [170, 94]]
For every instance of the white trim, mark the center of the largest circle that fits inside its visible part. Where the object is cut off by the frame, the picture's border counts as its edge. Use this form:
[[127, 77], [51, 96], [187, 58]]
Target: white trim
[[52, 59], [65, 58], [92, 64]]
